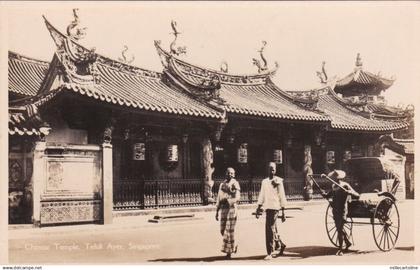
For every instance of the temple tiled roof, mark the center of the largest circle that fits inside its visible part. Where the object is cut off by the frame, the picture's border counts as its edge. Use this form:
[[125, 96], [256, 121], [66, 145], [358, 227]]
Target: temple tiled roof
[[265, 100], [25, 74], [343, 117], [254, 95], [361, 82], [147, 94], [24, 120], [122, 84], [185, 89]]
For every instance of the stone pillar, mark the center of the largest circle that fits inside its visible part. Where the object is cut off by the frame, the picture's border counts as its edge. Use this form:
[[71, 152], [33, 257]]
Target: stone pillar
[[107, 187], [307, 170], [39, 175], [207, 162]]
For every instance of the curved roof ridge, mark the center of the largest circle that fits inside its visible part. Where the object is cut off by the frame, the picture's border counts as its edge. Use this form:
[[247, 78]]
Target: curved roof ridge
[[290, 96], [19, 56], [102, 59], [213, 71]]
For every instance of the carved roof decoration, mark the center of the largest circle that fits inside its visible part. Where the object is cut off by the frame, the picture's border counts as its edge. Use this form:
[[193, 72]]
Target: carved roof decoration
[[189, 90], [72, 53], [199, 74], [243, 94], [119, 83]]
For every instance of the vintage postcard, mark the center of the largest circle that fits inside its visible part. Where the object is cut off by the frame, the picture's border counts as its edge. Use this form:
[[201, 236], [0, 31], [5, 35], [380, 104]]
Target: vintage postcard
[[259, 133]]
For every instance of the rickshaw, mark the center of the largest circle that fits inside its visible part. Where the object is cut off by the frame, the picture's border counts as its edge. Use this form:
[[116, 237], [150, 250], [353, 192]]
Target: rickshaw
[[377, 181]]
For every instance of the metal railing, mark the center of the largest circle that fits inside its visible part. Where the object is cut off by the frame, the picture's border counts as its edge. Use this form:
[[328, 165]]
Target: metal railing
[[157, 193], [164, 193]]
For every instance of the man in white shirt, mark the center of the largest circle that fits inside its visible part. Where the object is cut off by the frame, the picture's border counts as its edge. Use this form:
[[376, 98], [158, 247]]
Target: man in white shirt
[[272, 198]]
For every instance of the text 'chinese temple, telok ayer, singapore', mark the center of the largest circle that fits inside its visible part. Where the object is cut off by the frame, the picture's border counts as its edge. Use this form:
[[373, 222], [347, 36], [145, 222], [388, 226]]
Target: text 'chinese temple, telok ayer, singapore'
[[90, 136]]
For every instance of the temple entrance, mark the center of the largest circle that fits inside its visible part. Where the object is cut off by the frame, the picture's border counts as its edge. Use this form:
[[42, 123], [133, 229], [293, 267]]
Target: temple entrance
[[20, 184]]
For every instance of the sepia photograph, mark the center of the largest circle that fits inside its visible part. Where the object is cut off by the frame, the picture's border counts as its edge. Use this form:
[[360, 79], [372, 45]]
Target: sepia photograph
[[209, 133]]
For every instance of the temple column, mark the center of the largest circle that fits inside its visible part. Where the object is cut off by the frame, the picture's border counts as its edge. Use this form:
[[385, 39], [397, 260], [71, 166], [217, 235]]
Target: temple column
[[107, 176], [39, 170], [207, 165], [307, 170]]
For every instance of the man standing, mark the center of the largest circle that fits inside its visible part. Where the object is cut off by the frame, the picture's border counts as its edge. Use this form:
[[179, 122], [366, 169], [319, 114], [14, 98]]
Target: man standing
[[272, 198], [340, 194]]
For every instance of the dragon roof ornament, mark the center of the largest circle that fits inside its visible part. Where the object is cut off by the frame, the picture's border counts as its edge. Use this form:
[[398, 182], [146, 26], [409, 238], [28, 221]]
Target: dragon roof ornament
[[74, 55], [322, 74], [176, 50], [124, 59], [261, 65], [73, 29], [200, 73]]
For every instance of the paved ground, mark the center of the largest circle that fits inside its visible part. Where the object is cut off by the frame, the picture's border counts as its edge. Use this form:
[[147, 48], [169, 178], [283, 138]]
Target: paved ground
[[134, 240]]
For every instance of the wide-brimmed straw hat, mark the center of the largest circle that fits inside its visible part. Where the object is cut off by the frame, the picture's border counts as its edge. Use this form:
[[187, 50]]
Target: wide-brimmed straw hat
[[337, 174]]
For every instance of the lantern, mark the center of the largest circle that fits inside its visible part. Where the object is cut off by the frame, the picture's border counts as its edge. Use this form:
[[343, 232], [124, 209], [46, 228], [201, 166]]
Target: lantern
[[139, 151], [243, 153], [347, 155], [172, 153], [330, 157], [278, 156]]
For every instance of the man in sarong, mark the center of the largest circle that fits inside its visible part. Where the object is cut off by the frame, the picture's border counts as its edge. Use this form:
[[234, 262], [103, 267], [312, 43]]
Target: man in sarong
[[227, 201]]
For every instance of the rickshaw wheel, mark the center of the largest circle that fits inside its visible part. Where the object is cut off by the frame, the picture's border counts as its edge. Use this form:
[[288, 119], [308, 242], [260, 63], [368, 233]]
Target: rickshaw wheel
[[332, 230], [386, 224]]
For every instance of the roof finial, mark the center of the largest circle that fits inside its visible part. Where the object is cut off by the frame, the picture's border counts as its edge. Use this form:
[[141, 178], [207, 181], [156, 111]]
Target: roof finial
[[322, 74], [124, 56], [256, 62], [224, 67], [73, 31], [174, 50], [359, 62]]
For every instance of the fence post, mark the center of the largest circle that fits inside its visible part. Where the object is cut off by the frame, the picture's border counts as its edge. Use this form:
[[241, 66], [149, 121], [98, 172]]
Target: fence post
[[156, 194]]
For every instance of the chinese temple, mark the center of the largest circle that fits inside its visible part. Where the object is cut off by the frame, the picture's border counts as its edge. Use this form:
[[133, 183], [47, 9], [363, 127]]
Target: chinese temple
[[90, 136]]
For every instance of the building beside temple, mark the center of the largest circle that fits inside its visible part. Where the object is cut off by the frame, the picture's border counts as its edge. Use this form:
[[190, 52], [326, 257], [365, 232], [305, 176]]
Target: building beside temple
[[89, 135]]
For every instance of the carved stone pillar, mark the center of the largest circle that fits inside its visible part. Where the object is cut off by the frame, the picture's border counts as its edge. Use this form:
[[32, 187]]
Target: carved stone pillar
[[207, 165], [107, 191], [107, 175], [38, 181], [307, 170]]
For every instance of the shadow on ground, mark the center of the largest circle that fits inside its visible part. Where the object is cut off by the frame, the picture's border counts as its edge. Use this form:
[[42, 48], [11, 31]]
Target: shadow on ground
[[210, 259], [294, 253], [405, 248]]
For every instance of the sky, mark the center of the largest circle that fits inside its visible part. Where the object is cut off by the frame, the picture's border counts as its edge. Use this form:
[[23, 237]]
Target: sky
[[299, 35]]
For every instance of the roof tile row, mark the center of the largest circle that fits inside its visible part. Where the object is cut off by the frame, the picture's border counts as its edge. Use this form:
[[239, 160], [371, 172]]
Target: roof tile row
[[25, 74]]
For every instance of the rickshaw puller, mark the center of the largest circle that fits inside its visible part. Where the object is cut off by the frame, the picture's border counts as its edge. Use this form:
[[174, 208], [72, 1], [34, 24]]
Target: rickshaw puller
[[340, 196]]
